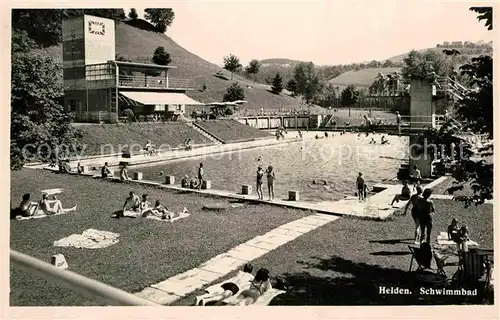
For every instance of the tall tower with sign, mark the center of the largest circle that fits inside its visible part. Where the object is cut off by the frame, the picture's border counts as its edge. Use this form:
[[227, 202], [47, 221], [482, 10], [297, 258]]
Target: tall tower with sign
[[87, 40]]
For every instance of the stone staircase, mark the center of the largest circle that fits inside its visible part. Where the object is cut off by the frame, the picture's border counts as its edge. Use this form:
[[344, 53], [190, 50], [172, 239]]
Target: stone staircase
[[205, 133]]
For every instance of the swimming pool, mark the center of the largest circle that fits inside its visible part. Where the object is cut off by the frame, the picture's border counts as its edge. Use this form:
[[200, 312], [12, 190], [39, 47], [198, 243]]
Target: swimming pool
[[336, 160]]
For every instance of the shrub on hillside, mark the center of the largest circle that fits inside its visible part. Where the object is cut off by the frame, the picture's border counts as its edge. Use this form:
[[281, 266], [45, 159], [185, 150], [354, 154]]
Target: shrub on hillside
[[161, 57], [234, 92], [277, 86]]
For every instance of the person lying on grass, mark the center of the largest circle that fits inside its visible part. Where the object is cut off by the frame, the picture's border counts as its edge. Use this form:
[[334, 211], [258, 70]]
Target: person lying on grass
[[53, 206], [159, 210], [404, 195], [259, 285], [229, 288]]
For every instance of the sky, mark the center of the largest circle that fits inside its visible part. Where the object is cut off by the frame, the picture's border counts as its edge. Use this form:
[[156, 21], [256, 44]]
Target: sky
[[324, 32]]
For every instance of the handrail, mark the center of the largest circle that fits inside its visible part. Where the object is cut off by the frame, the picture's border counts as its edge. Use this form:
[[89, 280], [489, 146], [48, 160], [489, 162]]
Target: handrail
[[154, 82], [78, 283]]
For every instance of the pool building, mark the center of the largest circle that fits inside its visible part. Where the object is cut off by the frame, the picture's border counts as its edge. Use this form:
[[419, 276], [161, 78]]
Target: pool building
[[98, 88]]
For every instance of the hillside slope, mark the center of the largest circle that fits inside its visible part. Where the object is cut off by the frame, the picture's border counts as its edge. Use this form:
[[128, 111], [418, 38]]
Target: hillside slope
[[361, 79], [138, 45], [468, 52]]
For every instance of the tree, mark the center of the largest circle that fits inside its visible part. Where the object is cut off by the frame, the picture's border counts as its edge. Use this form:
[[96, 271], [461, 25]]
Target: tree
[[133, 14], [426, 65], [253, 67], [473, 165], [232, 64], [161, 57], [41, 130], [160, 18], [291, 86], [485, 13], [277, 86], [234, 92], [308, 82], [373, 64], [388, 64], [349, 97]]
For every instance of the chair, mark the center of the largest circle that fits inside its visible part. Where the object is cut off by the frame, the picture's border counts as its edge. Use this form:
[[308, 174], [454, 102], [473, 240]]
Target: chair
[[425, 272], [473, 265]]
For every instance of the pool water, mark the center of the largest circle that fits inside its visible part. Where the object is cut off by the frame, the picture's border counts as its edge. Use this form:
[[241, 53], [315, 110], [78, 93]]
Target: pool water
[[336, 160]]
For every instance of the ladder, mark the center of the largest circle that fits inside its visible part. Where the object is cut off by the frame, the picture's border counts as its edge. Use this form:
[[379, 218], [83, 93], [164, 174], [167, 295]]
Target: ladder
[[113, 103]]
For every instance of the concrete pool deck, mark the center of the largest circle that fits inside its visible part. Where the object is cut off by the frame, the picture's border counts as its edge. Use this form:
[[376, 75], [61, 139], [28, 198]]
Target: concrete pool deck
[[376, 206]]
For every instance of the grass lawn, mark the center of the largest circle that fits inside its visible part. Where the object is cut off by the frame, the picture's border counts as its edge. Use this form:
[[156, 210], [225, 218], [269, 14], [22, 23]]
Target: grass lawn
[[170, 134], [361, 78], [443, 186], [232, 130], [345, 261], [148, 251]]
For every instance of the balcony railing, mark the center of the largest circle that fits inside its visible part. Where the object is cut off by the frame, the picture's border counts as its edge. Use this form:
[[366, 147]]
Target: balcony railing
[[125, 81]]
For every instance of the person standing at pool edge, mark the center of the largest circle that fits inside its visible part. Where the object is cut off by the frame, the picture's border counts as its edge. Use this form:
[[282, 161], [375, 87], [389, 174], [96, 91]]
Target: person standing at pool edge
[[398, 121], [260, 178], [201, 173], [270, 182], [360, 183]]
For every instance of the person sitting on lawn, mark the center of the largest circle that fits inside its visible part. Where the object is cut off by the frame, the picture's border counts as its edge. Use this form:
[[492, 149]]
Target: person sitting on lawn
[[105, 172], [57, 208], [259, 285], [193, 184], [404, 195], [27, 208], [144, 205], [131, 203], [185, 182], [229, 288], [124, 173]]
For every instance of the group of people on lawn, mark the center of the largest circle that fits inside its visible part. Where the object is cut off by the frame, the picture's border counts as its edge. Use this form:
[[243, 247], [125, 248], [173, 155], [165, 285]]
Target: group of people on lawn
[[143, 207], [45, 206], [244, 286]]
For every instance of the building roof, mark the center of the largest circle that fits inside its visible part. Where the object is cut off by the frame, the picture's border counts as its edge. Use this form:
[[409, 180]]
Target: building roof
[[142, 66], [154, 98]]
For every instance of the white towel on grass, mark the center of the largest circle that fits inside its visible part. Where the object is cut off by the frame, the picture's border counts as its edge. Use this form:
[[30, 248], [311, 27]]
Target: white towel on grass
[[89, 239], [40, 214]]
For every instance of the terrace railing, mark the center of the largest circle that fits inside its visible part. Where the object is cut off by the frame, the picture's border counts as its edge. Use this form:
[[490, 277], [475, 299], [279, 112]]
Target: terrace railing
[[125, 81], [91, 288]]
